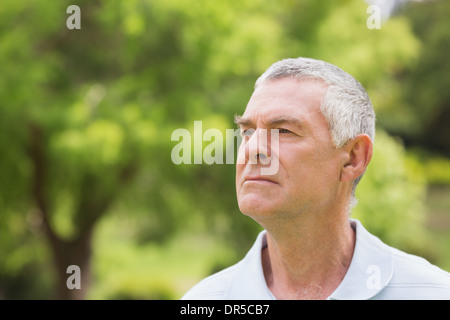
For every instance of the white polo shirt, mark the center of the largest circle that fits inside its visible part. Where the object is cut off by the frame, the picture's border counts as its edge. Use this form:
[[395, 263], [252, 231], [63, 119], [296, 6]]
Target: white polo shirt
[[377, 271]]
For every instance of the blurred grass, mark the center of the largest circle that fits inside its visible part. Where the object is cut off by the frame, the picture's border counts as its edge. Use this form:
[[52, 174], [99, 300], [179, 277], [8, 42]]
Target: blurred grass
[[438, 223], [123, 269]]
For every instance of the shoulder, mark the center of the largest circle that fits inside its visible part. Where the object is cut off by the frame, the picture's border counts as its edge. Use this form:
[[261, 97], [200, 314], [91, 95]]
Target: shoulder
[[416, 278], [244, 280], [213, 287]]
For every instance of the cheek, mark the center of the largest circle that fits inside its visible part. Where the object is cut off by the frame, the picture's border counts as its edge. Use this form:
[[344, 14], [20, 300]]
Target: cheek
[[306, 169], [325, 174], [240, 167], [239, 171]]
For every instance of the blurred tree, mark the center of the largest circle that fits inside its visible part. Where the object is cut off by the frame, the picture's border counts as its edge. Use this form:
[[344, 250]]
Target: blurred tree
[[422, 112], [87, 115]]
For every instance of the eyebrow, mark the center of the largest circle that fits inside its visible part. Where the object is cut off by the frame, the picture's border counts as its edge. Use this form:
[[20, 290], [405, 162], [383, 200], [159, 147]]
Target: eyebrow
[[286, 119], [243, 121]]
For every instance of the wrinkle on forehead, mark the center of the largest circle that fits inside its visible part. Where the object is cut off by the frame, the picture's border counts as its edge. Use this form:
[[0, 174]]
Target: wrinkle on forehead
[[281, 99]]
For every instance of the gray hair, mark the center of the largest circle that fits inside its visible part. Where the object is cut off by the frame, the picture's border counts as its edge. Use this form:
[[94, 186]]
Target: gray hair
[[346, 105]]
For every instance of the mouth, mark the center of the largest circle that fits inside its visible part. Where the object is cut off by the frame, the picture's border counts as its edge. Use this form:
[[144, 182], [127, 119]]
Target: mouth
[[258, 179]]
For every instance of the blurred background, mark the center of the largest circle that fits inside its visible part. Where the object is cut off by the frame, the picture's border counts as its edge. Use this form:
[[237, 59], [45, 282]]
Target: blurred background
[[86, 118]]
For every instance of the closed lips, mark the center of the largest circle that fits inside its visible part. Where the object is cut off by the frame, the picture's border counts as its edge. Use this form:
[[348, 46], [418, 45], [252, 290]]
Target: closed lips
[[258, 178]]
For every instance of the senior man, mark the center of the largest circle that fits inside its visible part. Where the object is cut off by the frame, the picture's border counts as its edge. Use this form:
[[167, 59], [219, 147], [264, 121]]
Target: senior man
[[310, 248]]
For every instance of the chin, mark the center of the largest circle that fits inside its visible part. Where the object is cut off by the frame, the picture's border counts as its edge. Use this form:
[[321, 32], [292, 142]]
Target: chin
[[257, 208]]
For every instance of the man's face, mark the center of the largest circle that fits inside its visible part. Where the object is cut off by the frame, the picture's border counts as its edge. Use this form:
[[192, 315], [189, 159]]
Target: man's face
[[308, 172]]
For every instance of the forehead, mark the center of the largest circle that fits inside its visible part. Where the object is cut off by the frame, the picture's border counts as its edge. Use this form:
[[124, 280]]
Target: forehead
[[286, 97]]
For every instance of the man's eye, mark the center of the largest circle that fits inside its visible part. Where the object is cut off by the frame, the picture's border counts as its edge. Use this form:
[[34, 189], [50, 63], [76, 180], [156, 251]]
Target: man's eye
[[247, 132], [284, 131]]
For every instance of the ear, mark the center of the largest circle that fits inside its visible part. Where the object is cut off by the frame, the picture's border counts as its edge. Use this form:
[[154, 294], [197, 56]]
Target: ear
[[358, 152]]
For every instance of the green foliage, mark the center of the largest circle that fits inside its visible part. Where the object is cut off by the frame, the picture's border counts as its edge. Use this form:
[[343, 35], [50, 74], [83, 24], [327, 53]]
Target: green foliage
[[370, 55], [421, 111], [438, 171], [435, 167], [149, 270]]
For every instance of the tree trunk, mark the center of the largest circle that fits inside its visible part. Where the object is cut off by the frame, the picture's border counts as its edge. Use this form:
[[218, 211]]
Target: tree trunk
[[93, 203], [65, 253], [72, 253]]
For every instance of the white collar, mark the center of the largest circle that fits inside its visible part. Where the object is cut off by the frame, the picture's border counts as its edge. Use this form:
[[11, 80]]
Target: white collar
[[370, 270]]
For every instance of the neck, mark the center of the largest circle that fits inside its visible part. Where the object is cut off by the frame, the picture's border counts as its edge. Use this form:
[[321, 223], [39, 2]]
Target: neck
[[307, 257]]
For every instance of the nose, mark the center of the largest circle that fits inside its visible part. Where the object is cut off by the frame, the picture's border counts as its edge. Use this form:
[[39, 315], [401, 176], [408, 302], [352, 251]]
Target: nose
[[258, 147]]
